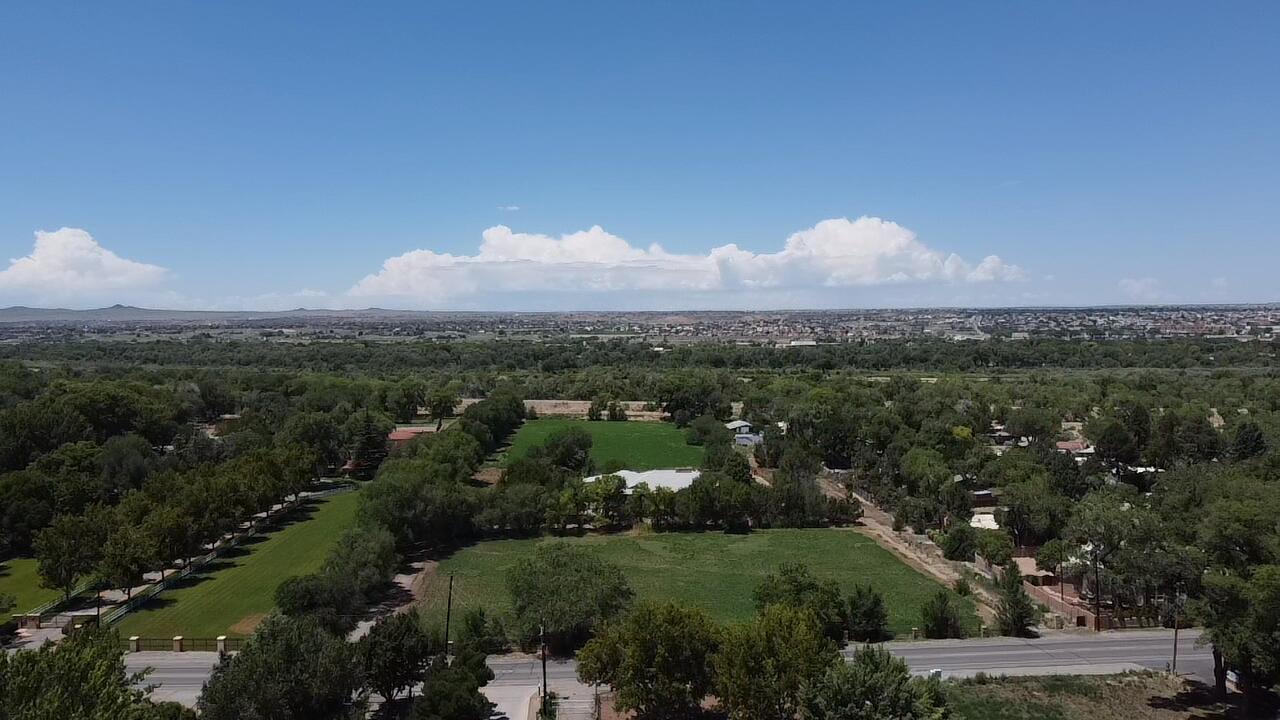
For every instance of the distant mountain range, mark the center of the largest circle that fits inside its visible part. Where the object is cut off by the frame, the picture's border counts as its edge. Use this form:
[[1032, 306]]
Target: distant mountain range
[[130, 314]]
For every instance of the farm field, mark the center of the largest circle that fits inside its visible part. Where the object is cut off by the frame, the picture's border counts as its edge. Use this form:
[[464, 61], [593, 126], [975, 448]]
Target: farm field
[[632, 445], [18, 579], [714, 571], [238, 589]]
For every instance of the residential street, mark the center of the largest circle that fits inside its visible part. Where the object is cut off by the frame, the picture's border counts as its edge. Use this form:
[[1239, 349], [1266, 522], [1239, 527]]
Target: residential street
[[180, 676]]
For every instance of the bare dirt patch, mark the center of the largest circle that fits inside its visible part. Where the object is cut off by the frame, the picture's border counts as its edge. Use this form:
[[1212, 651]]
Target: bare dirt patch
[[246, 625]]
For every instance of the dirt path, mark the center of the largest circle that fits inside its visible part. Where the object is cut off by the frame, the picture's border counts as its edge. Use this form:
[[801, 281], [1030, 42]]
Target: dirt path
[[924, 558]]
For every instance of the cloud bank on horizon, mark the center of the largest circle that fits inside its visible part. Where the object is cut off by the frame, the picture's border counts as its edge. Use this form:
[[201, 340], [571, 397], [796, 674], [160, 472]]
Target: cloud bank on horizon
[[818, 266], [833, 254]]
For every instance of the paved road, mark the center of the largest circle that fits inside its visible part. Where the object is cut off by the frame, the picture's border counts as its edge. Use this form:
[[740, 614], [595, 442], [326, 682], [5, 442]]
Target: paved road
[[1059, 653], [180, 676]]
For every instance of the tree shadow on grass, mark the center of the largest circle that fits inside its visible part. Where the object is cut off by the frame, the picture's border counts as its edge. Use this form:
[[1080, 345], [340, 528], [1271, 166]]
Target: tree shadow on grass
[[1199, 702]]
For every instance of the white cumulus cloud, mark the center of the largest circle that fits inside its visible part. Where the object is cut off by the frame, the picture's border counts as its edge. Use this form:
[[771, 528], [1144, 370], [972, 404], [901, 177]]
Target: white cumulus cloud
[[69, 264], [833, 254]]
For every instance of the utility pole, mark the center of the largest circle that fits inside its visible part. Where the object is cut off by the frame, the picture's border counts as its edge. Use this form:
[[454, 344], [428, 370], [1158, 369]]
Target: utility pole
[[448, 615], [542, 640], [1177, 611]]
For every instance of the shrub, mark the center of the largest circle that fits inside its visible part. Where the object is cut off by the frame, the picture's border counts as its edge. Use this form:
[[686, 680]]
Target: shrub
[[868, 620], [940, 616]]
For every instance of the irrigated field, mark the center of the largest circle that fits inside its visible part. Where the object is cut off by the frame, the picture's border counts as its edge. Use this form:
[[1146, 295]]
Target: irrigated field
[[19, 580], [714, 571], [238, 590], [631, 445]]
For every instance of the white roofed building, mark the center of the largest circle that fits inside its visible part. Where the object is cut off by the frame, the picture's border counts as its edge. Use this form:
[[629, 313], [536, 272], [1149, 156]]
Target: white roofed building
[[677, 479]]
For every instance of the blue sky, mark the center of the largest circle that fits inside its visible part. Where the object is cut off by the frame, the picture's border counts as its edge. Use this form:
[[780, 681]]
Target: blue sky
[[272, 155]]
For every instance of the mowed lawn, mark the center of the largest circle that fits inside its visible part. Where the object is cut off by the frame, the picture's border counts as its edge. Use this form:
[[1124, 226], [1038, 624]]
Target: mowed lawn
[[233, 596], [714, 571], [633, 445], [19, 580]]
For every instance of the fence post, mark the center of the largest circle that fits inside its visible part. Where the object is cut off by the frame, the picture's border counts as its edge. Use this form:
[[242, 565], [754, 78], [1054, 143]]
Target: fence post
[[222, 643], [177, 643], [915, 633], [134, 642]]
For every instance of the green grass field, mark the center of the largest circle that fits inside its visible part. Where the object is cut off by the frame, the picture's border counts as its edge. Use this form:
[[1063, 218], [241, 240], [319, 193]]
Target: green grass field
[[18, 579], [714, 571], [237, 591], [634, 445]]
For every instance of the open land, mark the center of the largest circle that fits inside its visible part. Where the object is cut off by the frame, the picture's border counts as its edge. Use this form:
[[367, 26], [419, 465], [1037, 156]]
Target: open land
[[628, 445], [236, 591], [714, 571], [1138, 696], [19, 579]]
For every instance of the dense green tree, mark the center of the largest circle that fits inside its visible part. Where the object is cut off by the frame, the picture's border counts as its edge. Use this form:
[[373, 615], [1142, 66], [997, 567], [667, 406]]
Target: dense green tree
[[1053, 555], [365, 436], [453, 690], [320, 437], [657, 659], [762, 665], [127, 555], [26, 506], [441, 403], [566, 591], [568, 449], [1036, 424], [482, 631], [68, 551], [959, 543], [403, 399], [1242, 619], [795, 585], [867, 616], [1248, 441], [82, 677], [1016, 614], [607, 501], [1183, 435], [874, 685], [1033, 511], [995, 546], [1100, 525], [291, 669], [940, 616], [1114, 442], [394, 654]]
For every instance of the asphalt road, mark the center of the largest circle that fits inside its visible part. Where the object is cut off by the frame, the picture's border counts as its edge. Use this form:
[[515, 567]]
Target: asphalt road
[[1059, 653], [180, 676], [177, 676]]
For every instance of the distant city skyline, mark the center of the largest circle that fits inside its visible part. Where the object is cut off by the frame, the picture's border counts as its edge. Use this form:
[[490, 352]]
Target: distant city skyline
[[567, 156]]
